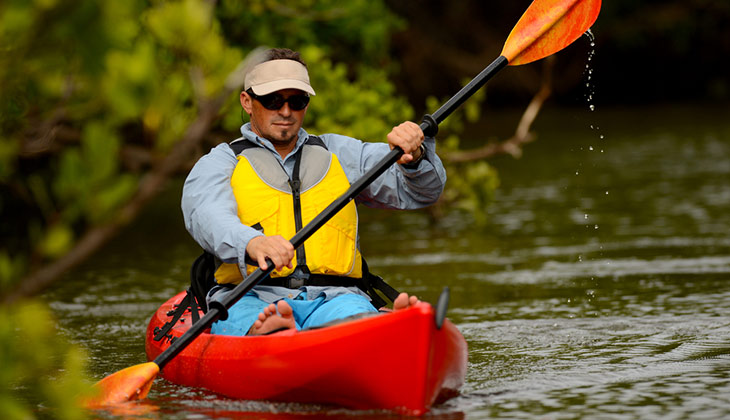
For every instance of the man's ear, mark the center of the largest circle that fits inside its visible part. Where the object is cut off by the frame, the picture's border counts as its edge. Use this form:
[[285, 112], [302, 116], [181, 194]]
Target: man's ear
[[246, 102]]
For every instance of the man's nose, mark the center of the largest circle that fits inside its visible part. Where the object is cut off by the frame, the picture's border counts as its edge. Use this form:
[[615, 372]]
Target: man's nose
[[285, 110]]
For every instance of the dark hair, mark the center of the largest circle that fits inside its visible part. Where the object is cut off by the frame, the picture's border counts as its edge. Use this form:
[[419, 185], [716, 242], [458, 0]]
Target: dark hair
[[285, 54]]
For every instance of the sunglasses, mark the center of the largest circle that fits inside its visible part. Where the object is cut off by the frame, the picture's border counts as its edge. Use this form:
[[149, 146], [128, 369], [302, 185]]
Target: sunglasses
[[274, 101]]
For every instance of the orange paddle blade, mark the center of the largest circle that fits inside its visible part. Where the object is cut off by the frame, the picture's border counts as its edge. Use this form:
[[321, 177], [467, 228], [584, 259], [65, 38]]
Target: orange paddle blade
[[132, 383], [547, 27]]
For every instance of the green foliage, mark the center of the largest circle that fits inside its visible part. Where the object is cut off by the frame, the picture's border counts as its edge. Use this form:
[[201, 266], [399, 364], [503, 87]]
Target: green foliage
[[40, 369], [345, 46], [356, 32], [471, 185], [87, 80], [82, 82], [88, 85]]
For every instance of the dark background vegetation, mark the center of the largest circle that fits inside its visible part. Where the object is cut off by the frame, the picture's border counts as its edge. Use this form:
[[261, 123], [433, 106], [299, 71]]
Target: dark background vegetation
[[646, 51]]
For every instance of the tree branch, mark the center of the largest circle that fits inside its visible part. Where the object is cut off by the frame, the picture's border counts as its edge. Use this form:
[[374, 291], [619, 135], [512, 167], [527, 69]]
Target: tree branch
[[513, 145]]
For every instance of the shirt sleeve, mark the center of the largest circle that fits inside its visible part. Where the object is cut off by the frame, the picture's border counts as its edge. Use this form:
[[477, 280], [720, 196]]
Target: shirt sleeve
[[210, 210], [398, 187]]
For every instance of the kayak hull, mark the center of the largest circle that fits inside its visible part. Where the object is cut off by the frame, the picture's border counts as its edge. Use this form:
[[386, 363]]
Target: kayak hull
[[396, 361]]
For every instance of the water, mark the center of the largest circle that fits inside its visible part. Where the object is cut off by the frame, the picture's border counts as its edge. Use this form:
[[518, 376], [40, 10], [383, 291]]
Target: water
[[599, 289]]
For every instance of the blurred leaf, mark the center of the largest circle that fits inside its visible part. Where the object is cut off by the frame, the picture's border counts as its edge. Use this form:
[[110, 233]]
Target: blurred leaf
[[112, 196], [39, 367], [58, 240], [476, 184]]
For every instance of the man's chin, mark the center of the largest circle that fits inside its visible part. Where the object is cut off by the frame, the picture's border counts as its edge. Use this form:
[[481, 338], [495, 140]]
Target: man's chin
[[283, 138]]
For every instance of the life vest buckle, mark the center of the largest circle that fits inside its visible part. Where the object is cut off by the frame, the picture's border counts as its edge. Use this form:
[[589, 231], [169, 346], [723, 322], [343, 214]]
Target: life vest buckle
[[298, 278], [294, 283]]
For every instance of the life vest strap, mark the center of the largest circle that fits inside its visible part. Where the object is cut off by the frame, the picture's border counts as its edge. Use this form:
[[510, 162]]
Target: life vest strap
[[369, 283]]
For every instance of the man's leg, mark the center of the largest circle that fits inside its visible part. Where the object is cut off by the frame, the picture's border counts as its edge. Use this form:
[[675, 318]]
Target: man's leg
[[338, 307], [241, 316], [302, 313]]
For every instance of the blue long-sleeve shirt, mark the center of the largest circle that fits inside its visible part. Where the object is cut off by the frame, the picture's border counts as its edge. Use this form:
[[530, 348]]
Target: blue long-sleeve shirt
[[210, 209]]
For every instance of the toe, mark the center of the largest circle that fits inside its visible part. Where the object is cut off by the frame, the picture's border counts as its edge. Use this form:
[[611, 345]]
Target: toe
[[401, 301], [284, 308]]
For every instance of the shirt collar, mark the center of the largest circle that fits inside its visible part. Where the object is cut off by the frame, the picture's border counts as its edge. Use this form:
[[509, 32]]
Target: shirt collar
[[248, 134]]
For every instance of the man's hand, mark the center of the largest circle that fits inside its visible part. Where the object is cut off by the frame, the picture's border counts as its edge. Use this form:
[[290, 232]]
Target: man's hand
[[279, 250], [408, 136]]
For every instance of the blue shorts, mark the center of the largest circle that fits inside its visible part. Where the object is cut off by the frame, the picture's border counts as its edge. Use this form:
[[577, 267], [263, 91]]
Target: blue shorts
[[307, 313]]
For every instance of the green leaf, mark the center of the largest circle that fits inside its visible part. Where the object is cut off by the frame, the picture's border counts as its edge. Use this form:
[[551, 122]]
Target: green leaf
[[57, 241]]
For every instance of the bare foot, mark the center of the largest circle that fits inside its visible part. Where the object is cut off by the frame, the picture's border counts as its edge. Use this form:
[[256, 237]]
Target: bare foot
[[403, 301], [269, 320]]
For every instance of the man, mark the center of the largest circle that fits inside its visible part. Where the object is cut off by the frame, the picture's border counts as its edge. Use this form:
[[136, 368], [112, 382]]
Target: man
[[249, 197]]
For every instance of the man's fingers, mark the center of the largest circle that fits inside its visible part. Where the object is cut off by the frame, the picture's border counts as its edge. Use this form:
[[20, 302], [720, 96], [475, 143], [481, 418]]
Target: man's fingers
[[277, 249], [408, 136], [262, 262]]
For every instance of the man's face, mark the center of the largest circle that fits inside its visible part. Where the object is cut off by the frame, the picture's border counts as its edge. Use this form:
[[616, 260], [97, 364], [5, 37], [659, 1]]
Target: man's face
[[280, 126]]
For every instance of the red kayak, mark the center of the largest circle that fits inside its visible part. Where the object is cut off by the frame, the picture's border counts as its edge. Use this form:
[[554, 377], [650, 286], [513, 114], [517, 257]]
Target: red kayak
[[396, 361]]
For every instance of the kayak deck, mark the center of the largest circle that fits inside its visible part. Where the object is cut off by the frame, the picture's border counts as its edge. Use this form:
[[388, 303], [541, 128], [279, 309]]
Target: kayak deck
[[396, 361]]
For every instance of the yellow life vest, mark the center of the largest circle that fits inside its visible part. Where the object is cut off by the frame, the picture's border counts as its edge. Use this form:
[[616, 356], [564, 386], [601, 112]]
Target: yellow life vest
[[267, 201]]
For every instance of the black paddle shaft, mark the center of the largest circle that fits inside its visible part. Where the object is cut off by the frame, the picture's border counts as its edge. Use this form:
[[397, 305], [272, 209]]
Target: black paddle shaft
[[429, 125]]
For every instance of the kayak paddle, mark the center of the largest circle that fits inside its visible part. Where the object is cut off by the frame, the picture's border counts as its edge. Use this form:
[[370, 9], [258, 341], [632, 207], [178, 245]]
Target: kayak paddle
[[545, 28]]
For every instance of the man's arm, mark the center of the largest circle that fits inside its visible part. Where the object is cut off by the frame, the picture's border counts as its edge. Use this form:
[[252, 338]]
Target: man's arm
[[400, 187], [210, 210]]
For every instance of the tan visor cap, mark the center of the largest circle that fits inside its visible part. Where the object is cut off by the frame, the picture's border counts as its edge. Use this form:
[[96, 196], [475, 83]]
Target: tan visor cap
[[274, 75]]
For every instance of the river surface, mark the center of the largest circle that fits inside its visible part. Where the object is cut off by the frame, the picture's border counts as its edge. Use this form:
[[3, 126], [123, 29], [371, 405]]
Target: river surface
[[599, 288]]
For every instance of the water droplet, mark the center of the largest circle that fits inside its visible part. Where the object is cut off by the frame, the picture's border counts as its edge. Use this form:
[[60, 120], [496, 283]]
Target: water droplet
[[606, 192], [592, 107], [601, 137], [590, 148], [585, 216], [595, 227]]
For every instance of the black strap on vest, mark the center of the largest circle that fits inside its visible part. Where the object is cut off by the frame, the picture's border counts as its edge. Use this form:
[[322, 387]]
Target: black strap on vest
[[296, 184], [369, 283], [302, 270]]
